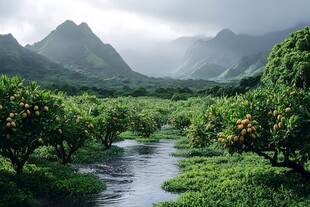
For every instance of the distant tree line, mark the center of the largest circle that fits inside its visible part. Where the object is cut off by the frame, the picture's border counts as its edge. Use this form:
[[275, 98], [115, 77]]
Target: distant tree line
[[173, 93]]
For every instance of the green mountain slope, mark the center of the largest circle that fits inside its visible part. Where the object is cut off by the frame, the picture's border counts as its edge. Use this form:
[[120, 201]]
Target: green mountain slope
[[78, 48], [158, 59], [247, 66], [17, 60], [207, 71], [228, 48]]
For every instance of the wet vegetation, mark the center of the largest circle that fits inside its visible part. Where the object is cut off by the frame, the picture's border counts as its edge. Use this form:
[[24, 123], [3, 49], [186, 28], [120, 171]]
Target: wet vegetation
[[250, 142]]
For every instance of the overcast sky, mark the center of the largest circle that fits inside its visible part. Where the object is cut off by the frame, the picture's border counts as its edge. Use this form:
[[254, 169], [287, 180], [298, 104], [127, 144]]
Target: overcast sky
[[132, 23]]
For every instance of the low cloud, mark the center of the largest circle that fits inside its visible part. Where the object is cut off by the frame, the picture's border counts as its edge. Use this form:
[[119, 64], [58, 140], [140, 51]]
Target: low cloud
[[134, 23], [242, 16]]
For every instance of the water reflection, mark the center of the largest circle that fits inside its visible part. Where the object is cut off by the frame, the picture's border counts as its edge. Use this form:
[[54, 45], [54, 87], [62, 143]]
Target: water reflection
[[134, 177]]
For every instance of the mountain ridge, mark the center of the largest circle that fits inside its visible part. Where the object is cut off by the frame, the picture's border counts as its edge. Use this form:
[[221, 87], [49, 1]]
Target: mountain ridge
[[78, 48], [17, 60], [227, 48]]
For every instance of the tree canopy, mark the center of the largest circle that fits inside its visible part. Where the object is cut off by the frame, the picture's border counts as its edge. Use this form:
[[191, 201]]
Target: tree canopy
[[289, 61]]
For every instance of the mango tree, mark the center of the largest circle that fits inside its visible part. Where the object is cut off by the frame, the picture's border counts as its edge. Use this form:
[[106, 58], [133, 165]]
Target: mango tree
[[113, 119], [27, 118], [278, 120], [181, 119], [289, 61], [146, 122], [206, 123], [275, 126], [75, 127]]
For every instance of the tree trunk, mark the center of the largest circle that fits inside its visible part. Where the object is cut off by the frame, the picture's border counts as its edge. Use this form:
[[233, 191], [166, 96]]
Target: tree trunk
[[18, 166], [105, 141], [298, 169], [286, 163]]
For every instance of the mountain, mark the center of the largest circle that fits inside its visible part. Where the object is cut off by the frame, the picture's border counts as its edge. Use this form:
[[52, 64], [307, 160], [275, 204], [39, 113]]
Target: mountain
[[207, 71], [78, 48], [247, 66], [158, 59], [227, 49], [17, 60]]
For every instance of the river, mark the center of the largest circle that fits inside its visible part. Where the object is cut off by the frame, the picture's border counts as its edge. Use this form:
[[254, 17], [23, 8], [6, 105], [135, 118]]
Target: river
[[134, 177]]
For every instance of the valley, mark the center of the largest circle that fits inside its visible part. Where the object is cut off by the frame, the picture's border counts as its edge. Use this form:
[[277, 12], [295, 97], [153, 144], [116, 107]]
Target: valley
[[173, 104]]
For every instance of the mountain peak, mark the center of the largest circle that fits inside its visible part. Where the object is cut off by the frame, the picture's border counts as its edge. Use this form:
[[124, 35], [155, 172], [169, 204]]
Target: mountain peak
[[76, 46], [70, 28], [84, 27], [8, 38], [9, 35], [225, 33], [67, 24]]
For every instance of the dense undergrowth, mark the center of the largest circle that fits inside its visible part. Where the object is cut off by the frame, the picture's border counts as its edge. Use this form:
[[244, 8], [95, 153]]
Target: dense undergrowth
[[237, 180], [44, 180], [211, 177]]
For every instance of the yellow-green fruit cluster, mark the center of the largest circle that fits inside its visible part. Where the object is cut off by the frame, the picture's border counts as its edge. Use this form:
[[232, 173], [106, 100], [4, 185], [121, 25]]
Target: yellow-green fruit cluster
[[280, 119], [221, 138], [247, 129], [10, 125]]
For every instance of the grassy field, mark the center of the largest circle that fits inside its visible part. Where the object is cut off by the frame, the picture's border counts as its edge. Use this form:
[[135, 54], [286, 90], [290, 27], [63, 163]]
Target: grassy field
[[216, 179]]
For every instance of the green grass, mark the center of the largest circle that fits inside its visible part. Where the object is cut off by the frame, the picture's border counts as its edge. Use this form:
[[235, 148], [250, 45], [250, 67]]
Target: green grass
[[239, 180], [185, 150], [43, 179]]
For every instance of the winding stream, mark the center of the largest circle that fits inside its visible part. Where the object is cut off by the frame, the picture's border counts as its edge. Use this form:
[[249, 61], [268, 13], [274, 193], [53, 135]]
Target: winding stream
[[133, 177]]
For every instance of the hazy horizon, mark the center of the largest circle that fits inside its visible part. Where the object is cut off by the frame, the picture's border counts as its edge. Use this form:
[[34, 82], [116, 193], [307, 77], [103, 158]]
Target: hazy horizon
[[133, 23], [136, 26]]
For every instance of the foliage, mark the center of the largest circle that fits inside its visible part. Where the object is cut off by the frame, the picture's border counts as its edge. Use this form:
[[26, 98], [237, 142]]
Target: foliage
[[289, 61], [204, 128], [27, 118], [112, 120], [92, 152], [44, 179], [75, 127], [11, 195], [180, 120], [275, 128], [241, 87], [146, 122], [235, 181]]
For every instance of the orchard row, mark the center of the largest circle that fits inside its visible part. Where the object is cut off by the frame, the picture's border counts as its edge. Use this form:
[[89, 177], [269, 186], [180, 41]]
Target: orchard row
[[31, 118], [270, 122]]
